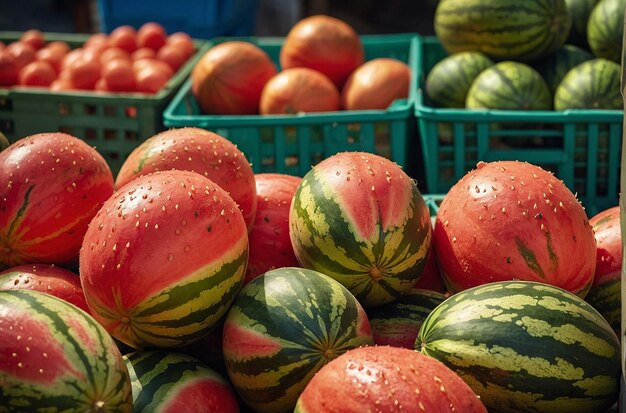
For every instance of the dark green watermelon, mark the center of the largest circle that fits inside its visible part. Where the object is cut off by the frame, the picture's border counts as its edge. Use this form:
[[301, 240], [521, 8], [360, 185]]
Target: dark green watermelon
[[554, 67], [594, 84], [580, 11], [605, 29]]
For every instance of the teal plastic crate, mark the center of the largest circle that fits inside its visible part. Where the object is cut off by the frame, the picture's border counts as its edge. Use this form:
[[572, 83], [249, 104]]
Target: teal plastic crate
[[581, 147], [293, 143], [115, 123]]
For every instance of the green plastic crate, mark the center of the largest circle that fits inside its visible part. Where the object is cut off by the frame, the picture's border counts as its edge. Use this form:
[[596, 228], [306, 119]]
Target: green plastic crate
[[582, 147], [293, 143], [114, 123]]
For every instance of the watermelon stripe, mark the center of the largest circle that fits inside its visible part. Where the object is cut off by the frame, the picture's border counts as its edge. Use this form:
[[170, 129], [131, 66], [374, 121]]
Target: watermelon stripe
[[529, 256], [20, 211]]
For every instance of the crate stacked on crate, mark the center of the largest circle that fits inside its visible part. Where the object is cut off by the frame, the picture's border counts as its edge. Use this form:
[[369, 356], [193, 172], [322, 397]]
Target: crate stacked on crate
[[293, 143], [582, 147], [113, 122]]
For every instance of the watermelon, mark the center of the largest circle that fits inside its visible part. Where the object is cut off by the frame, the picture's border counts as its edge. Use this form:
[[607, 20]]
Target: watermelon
[[163, 259], [201, 151], [284, 326], [449, 80], [503, 29], [431, 278], [397, 324], [580, 11], [50, 279], [526, 346], [513, 220], [169, 382], [56, 358], [360, 219], [509, 85], [553, 68], [605, 294], [387, 379], [594, 84], [605, 29], [53, 185], [269, 242]]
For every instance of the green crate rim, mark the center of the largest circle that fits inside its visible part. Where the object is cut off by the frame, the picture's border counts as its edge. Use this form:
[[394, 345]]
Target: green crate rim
[[424, 112], [400, 111], [127, 98]]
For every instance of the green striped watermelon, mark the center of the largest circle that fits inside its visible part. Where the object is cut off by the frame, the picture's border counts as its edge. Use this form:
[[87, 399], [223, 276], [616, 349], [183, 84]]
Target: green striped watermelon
[[503, 29], [359, 218], [594, 84], [605, 29], [53, 184], [580, 11], [54, 358], [449, 80], [512, 220], [553, 68], [201, 151], [384, 379], [168, 382], [509, 85], [526, 347], [397, 324], [163, 259], [283, 327], [605, 294]]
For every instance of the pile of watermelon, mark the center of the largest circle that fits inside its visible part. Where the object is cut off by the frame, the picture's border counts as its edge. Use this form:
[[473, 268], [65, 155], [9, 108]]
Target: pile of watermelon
[[535, 55], [189, 283]]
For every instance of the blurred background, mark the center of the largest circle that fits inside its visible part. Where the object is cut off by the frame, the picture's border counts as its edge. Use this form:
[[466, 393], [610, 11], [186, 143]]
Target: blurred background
[[209, 18]]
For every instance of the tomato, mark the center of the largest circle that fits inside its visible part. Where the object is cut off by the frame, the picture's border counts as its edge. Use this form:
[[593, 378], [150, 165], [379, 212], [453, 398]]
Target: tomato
[[376, 84], [150, 79], [172, 55], [83, 73], [124, 37], [113, 53], [34, 38], [8, 69], [118, 75], [60, 85], [140, 64], [38, 74], [151, 35], [23, 53], [299, 90], [143, 53], [97, 39], [182, 41], [52, 56], [59, 46], [323, 43], [70, 58], [229, 78]]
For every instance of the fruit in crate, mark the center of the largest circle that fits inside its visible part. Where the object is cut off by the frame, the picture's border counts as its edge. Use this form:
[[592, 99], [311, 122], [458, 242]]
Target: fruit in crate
[[323, 43], [163, 259], [580, 11], [269, 243], [526, 346], [49, 279], [284, 326], [299, 90], [200, 151], [605, 294], [512, 220], [509, 85], [359, 218], [605, 29], [165, 381], [54, 184], [449, 79], [594, 84], [229, 78], [503, 29], [387, 379], [376, 84], [553, 68], [57, 357]]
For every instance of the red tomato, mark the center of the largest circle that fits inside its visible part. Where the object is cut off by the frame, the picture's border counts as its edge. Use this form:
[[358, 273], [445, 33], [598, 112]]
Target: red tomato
[[61, 46], [143, 53], [183, 41], [54, 57], [150, 79], [124, 37], [60, 85], [8, 69], [119, 76], [2, 46], [113, 53], [83, 73], [22, 52], [97, 39], [172, 55], [151, 35], [70, 58], [140, 64], [38, 74], [34, 38]]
